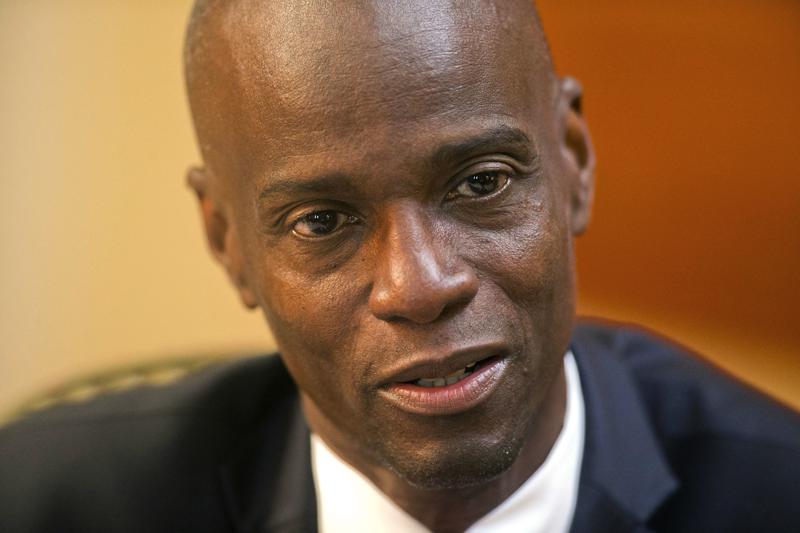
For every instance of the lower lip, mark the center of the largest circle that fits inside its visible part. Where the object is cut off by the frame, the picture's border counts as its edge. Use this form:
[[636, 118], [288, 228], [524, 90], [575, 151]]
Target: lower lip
[[451, 399]]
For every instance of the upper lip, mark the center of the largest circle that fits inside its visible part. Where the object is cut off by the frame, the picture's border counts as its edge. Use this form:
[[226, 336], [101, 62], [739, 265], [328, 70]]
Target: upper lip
[[441, 363]]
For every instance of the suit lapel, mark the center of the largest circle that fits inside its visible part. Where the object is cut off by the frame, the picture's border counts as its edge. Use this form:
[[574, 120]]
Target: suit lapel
[[267, 482], [625, 476]]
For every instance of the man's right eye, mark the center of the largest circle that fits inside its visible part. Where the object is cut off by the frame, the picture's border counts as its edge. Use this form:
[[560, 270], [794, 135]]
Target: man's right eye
[[321, 223]]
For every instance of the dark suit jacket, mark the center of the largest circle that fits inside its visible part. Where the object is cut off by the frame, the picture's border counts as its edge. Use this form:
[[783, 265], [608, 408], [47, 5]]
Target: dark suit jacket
[[671, 445]]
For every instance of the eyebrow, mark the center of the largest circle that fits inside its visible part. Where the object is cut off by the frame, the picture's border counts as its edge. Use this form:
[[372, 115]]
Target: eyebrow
[[319, 184], [501, 138]]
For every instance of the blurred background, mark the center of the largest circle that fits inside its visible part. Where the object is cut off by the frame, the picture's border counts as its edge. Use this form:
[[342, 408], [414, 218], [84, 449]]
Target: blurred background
[[696, 233]]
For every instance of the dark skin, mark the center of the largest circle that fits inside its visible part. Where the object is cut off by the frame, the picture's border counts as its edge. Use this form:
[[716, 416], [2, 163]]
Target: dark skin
[[395, 182]]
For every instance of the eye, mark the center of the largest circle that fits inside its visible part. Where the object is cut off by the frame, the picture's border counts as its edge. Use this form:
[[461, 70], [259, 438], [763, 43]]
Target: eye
[[321, 223], [480, 184]]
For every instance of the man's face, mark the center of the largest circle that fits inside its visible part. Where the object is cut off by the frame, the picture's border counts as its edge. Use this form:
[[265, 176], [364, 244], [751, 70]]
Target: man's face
[[400, 202]]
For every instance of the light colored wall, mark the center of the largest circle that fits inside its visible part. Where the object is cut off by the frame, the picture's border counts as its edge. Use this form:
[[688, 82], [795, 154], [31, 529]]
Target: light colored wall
[[103, 262]]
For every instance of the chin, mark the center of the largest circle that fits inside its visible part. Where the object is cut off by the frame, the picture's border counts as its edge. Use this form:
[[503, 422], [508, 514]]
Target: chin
[[448, 466]]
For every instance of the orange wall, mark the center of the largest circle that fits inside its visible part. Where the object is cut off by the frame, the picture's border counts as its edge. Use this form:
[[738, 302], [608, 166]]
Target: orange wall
[[694, 110]]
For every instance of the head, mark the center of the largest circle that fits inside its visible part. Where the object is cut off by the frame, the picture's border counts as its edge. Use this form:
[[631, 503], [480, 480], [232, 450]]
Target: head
[[395, 184]]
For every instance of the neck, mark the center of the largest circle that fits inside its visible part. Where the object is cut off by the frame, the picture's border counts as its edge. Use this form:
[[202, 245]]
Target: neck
[[455, 510]]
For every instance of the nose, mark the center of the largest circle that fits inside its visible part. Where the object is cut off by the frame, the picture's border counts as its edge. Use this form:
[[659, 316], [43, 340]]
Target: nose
[[417, 275]]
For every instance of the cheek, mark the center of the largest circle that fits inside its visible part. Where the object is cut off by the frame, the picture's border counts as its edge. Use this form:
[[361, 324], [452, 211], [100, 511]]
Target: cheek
[[314, 322], [531, 266], [531, 259]]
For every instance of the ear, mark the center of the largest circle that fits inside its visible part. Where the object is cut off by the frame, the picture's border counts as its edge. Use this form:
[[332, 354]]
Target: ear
[[578, 153], [222, 239]]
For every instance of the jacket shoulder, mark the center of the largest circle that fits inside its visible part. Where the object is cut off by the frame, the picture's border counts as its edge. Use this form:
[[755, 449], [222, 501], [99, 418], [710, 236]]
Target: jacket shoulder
[[734, 451], [685, 393], [148, 451]]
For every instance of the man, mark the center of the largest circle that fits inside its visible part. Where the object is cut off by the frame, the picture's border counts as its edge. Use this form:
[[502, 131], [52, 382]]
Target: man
[[397, 186]]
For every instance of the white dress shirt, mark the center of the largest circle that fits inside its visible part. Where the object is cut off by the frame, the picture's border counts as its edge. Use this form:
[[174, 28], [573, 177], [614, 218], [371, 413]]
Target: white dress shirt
[[348, 502]]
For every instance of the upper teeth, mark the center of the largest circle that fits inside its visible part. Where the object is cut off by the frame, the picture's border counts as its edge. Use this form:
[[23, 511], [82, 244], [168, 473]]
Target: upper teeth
[[449, 379]]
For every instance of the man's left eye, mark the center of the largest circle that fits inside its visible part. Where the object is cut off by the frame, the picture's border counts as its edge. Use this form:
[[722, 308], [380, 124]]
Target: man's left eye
[[480, 184]]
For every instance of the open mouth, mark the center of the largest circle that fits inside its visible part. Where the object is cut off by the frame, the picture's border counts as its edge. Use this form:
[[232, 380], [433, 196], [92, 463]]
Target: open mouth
[[451, 378], [455, 392]]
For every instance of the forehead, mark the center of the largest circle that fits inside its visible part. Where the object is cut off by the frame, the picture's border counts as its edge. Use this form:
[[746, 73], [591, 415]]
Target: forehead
[[310, 77]]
